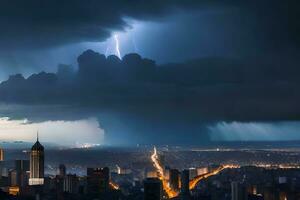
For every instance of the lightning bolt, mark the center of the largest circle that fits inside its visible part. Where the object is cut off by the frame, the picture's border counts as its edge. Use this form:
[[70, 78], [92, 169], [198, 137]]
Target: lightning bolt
[[106, 51], [117, 45]]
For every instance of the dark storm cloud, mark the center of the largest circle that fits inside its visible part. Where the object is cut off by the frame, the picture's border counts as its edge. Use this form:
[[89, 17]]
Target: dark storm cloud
[[46, 23], [209, 89], [137, 98]]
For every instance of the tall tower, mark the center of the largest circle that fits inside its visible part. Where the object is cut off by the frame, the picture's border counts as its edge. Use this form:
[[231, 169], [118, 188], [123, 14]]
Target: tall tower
[[37, 164]]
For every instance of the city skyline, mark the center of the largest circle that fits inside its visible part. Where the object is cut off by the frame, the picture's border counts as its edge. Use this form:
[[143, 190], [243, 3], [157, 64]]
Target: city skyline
[[149, 100], [26, 180]]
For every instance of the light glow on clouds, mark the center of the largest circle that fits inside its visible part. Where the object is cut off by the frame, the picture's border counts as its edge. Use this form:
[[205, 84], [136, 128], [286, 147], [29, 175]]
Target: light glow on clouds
[[255, 131], [121, 42], [131, 40], [65, 133]]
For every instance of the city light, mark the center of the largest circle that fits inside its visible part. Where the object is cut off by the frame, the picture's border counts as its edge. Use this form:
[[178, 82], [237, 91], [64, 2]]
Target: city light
[[160, 171], [193, 182], [114, 185], [196, 180]]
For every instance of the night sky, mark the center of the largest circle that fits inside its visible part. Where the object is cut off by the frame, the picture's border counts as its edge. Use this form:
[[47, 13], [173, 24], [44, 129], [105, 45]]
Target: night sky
[[189, 72]]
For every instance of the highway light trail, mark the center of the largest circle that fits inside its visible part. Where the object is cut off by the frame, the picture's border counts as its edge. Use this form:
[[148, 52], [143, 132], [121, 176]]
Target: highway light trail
[[114, 185], [197, 179], [160, 173]]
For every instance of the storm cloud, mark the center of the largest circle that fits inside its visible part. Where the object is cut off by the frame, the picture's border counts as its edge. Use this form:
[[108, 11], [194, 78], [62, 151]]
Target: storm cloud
[[242, 65], [37, 36], [34, 24], [209, 89]]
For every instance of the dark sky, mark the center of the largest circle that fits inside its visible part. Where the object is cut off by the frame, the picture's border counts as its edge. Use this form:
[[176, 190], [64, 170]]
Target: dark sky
[[39, 35], [214, 64]]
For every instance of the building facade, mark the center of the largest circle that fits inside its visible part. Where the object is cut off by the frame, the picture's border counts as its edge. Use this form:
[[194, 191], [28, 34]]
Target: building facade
[[37, 164], [1, 154], [174, 179], [97, 180], [185, 185], [152, 189]]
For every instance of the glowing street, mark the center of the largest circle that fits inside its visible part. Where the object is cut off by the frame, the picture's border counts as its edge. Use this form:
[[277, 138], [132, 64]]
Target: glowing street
[[193, 183]]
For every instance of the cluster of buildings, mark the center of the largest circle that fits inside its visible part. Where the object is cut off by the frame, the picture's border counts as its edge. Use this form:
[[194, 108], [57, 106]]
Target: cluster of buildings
[[26, 174], [245, 183], [27, 180], [178, 182], [251, 183]]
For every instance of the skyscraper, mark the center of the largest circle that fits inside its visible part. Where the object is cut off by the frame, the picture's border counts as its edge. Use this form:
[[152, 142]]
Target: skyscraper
[[238, 191], [185, 184], [13, 178], [234, 191], [62, 170], [37, 164], [193, 172], [97, 180], [174, 179], [70, 184], [22, 168], [152, 189]]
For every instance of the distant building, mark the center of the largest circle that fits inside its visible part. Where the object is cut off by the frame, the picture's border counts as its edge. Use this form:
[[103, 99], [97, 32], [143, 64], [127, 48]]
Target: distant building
[[22, 169], [70, 184], [238, 191], [193, 172], [1, 154], [62, 170], [22, 165], [152, 189], [37, 164], [151, 174], [97, 180], [185, 184], [234, 191], [174, 179], [167, 173], [1, 162], [12, 175], [59, 183], [1, 168], [202, 170]]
